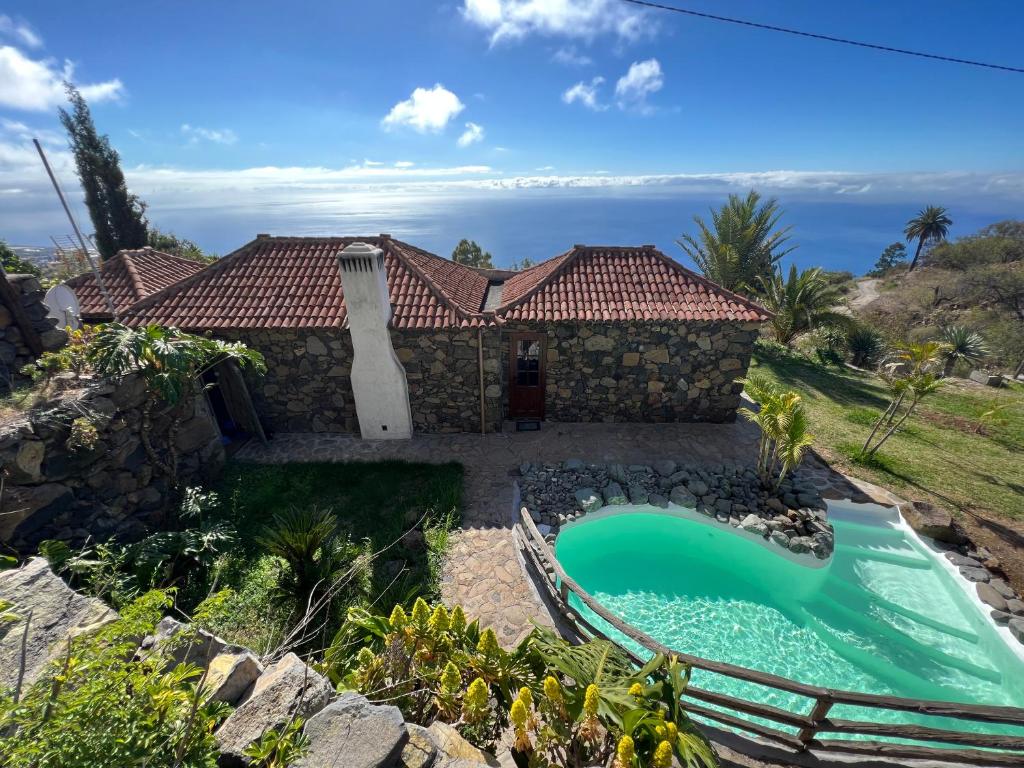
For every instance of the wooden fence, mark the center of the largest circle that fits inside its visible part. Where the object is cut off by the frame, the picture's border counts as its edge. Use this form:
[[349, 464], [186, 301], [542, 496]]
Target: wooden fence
[[989, 748]]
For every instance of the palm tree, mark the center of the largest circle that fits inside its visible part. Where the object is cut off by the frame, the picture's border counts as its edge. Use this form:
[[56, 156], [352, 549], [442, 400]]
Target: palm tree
[[171, 363], [930, 225], [802, 302], [741, 245], [961, 344], [783, 424]]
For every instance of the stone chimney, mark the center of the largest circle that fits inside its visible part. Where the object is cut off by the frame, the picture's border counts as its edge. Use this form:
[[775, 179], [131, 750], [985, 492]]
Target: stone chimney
[[378, 378]]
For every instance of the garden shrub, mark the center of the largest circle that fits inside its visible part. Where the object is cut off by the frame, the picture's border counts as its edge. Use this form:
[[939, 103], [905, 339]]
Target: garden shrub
[[100, 704]]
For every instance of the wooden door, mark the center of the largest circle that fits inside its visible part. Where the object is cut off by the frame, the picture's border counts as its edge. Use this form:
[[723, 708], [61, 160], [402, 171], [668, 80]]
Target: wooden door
[[527, 353]]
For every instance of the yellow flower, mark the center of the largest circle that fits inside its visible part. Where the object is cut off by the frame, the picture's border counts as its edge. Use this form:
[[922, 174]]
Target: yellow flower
[[636, 690], [365, 657], [591, 699], [552, 690], [660, 731], [420, 613], [625, 752], [488, 644], [672, 732], [451, 678], [457, 621], [662, 756], [439, 620], [526, 696], [474, 705], [398, 618], [518, 714]]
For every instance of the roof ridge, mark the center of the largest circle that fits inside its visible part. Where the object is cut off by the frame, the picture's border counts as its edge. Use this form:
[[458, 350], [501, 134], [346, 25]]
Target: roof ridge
[[709, 283], [439, 293], [199, 274], [133, 274], [568, 257]]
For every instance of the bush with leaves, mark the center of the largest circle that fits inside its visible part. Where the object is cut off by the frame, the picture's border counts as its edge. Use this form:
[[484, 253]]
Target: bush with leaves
[[961, 344], [279, 747], [100, 704], [783, 422], [567, 705], [73, 357], [864, 344]]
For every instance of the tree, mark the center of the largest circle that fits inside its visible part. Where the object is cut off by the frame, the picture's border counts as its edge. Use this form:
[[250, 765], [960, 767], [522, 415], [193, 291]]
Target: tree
[[894, 254], [524, 263], [929, 226], [170, 362], [472, 255], [117, 215], [783, 424], [168, 242], [802, 302], [742, 244], [15, 265], [961, 343]]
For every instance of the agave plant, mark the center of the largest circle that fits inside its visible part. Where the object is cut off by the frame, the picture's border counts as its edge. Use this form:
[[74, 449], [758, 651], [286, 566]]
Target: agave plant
[[783, 423], [962, 343], [801, 302], [865, 345]]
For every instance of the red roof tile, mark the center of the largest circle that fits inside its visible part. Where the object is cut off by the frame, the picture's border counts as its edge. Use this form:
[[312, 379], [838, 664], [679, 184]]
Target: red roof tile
[[129, 277], [601, 283], [294, 282]]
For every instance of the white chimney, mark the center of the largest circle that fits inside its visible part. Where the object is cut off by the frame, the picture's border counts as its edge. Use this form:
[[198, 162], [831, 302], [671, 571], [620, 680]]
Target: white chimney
[[378, 378]]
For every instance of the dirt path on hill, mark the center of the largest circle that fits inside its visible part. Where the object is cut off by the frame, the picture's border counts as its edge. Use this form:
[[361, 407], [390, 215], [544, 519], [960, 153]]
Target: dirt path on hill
[[866, 292]]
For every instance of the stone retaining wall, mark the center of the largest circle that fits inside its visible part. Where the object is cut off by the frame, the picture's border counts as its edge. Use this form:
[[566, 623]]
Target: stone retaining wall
[[14, 353], [53, 490], [643, 372]]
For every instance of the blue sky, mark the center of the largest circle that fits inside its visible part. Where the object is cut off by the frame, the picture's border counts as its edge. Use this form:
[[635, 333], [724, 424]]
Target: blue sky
[[353, 109]]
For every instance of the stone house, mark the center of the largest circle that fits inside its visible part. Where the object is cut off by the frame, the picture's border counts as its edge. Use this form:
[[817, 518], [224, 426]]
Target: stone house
[[362, 331]]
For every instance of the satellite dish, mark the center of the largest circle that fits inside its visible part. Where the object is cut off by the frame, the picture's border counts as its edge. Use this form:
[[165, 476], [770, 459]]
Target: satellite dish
[[63, 305]]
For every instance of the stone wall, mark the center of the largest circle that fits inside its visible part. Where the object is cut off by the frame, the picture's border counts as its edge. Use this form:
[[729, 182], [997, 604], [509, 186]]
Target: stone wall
[[14, 353], [307, 387], [53, 490], [643, 372]]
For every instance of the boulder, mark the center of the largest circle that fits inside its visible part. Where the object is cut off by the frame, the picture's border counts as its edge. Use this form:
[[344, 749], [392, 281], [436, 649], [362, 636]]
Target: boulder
[[58, 613], [420, 750], [1004, 589], [665, 467], [1016, 626], [934, 523], [353, 732], [25, 508], [613, 494], [573, 465], [681, 496], [452, 747], [975, 574], [588, 500], [1015, 606], [697, 487], [197, 647], [990, 597], [617, 472], [637, 494], [780, 538], [999, 617], [230, 675], [754, 524], [657, 500], [285, 690], [962, 561]]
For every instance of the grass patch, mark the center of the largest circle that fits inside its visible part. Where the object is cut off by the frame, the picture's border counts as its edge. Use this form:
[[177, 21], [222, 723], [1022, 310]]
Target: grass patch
[[942, 459], [375, 504]]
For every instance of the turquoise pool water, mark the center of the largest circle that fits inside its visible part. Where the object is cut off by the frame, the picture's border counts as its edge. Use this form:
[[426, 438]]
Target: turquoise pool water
[[883, 616]]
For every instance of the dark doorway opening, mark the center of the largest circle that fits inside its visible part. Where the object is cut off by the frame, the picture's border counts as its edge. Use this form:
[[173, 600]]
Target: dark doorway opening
[[232, 434]]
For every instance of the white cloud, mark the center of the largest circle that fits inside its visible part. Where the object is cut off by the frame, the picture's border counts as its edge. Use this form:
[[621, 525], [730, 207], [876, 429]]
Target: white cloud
[[197, 133], [471, 135], [428, 109], [404, 164], [545, 168], [38, 85], [585, 94], [584, 19], [20, 31], [642, 79], [371, 163], [571, 57]]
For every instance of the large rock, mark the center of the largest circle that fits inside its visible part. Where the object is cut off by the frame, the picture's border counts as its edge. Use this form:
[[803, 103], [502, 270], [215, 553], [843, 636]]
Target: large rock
[[452, 748], [196, 646], [1016, 626], [588, 499], [420, 750], [613, 494], [934, 523], [637, 494], [285, 690], [990, 597], [681, 495], [697, 487], [230, 675], [58, 612], [354, 733], [27, 507], [665, 467]]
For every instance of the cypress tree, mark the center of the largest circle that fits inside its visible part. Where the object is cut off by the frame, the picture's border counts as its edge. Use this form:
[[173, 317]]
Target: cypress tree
[[118, 216]]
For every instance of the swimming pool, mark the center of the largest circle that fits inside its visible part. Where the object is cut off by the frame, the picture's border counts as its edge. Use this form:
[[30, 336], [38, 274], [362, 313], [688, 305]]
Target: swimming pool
[[883, 616]]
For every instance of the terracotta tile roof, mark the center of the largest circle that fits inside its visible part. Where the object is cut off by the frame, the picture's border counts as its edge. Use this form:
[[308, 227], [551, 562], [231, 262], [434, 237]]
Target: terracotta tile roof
[[618, 284], [129, 277], [294, 282]]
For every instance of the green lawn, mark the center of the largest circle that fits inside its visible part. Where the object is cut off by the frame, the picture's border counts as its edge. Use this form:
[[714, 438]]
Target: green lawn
[[938, 456], [375, 504]]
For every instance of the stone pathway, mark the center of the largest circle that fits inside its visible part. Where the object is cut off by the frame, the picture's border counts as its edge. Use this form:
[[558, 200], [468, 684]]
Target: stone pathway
[[484, 572]]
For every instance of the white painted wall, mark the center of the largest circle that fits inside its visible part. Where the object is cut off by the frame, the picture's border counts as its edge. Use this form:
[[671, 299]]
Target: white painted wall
[[378, 378]]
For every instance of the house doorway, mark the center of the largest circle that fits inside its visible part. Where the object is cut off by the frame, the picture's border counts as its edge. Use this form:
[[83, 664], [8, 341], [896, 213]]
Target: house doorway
[[527, 355], [232, 406]]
